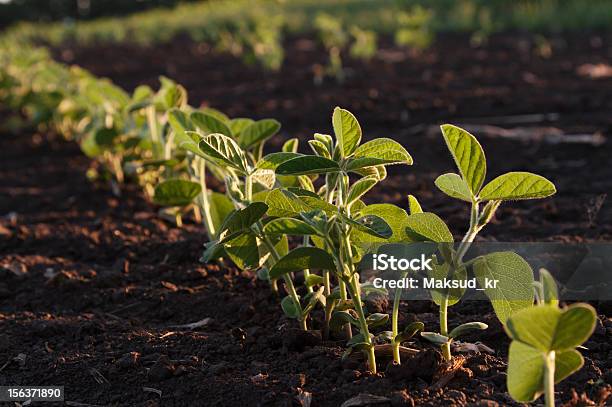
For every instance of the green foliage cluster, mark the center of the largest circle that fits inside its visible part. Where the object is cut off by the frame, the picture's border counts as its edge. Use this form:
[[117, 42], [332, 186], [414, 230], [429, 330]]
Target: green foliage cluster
[[157, 139]]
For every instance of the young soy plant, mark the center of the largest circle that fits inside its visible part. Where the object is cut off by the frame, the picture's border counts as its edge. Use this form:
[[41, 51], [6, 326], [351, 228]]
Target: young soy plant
[[339, 223], [544, 341], [515, 277]]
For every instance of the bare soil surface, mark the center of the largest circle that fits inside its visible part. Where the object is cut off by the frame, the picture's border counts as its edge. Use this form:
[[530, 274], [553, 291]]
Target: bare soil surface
[[95, 290]]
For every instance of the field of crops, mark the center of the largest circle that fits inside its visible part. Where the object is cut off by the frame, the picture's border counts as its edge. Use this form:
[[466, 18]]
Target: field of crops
[[193, 202]]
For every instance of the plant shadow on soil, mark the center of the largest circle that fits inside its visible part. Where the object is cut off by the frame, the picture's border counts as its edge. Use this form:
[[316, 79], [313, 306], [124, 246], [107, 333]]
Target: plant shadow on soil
[[93, 286]]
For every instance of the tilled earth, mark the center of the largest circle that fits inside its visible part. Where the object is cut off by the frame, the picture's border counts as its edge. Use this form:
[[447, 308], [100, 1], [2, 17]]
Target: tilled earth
[[95, 290]]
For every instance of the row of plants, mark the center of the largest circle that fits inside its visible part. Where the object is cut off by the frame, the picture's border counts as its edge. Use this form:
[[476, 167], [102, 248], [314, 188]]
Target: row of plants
[[300, 220], [255, 30]]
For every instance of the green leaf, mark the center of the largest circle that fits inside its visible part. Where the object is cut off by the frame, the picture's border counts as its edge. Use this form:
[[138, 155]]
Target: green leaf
[[313, 299], [360, 188], [273, 160], [377, 319], [220, 207], [217, 114], [516, 186], [313, 280], [435, 338], [176, 192], [243, 251], [241, 220], [454, 186], [526, 370], [372, 225], [291, 145], [209, 124], [265, 177], [549, 328], [222, 150], [347, 131], [319, 148], [238, 125], [180, 123], [283, 203], [341, 318], [468, 155], [414, 205], [515, 282], [258, 132], [408, 332], [289, 226], [428, 226], [439, 272], [393, 216], [289, 307], [467, 327], [307, 164], [549, 288], [302, 258], [380, 151]]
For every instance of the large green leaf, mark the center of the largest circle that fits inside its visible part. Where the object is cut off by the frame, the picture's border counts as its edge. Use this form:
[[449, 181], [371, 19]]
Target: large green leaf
[[302, 258], [380, 151], [441, 272], [517, 185], [283, 203], [360, 188], [393, 215], [222, 150], [307, 164], [289, 226], [209, 124], [454, 186], [238, 125], [257, 132], [220, 207], [549, 328], [526, 370], [241, 220], [273, 160], [514, 288], [428, 226], [468, 155], [243, 251], [347, 131], [176, 192], [372, 225]]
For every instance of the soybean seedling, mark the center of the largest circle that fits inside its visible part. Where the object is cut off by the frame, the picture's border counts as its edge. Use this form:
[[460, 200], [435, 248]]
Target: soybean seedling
[[544, 341], [514, 275], [348, 222]]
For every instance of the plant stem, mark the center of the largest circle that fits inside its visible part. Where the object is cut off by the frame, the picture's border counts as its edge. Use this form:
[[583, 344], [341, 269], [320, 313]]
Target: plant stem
[[208, 222], [288, 282], [306, 243], [444, 328], [355, 290], [549, 379], [395, 325]]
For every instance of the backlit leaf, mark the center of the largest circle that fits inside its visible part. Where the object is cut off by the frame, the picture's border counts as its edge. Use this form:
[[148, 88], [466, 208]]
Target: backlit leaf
[[454, 186], [176, 192], [468, 155], [347, 131], [517, 185], [307, 164], [257, 132]]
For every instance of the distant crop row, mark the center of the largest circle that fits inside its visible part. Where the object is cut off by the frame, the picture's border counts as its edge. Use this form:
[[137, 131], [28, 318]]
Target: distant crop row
[[255, 29], [295, 217]]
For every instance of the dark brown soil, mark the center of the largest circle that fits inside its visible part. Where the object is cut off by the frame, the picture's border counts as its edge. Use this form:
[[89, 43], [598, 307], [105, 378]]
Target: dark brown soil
[[92, 286]]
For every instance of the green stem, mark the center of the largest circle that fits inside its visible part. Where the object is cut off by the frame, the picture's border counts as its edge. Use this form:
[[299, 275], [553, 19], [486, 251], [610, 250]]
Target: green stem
[[306, 243], [355, 290], [444, 328], [395, 325], [549, 379], [208, 222]]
